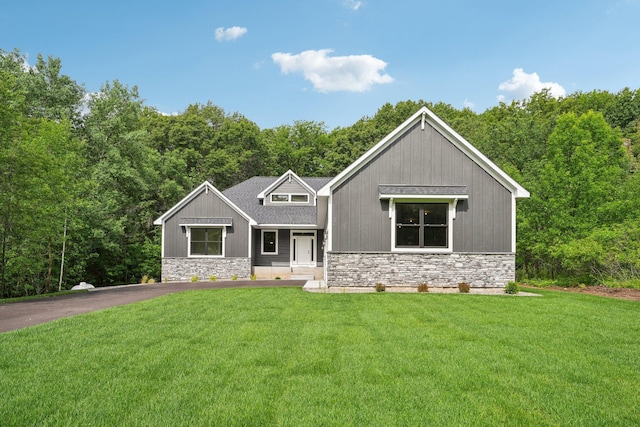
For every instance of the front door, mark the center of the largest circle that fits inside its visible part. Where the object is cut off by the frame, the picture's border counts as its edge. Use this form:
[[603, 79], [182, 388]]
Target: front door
[[303, 250]]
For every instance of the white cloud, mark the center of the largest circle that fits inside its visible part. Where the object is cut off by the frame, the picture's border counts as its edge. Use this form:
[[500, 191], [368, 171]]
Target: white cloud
[[523, 85], [353, 73], [229, 34], [468, 104], [352, 4]]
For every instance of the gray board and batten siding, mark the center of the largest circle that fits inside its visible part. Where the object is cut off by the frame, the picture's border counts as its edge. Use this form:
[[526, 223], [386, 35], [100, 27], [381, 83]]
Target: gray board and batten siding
[[361, 221], [206, 205]]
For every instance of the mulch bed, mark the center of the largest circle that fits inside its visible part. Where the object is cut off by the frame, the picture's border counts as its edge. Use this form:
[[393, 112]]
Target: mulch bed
[[603, 291]]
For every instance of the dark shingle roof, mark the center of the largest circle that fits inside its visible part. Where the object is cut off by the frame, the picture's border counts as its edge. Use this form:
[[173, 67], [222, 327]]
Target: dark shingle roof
[[209, 220], [245, 196], [423, 190]]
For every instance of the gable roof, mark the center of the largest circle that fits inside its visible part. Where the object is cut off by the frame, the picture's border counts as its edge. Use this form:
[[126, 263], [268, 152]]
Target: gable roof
[[206, 186], [287, 175], [424, 115], [246, 196]]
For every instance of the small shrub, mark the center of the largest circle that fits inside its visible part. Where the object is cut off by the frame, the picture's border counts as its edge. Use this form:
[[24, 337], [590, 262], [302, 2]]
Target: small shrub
[[277, 277], [253, 277], [234, 277], [380, 287], [145, 279], [512, 288], [151, 281], [423, 287], [165, 280], [464, 287], [212, 278], [194, 278]]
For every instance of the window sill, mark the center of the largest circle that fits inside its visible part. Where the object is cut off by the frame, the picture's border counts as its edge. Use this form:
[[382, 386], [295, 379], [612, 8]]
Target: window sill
[[205, 256], [424, 250]]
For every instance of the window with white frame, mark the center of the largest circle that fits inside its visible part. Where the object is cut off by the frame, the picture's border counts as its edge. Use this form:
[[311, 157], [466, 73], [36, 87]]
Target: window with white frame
[[269, 242], [422, 225], [207, 241], [289, 198]]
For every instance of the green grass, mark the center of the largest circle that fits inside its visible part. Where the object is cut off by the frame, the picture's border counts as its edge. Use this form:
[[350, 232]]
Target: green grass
[[50, 295], [284, 357]]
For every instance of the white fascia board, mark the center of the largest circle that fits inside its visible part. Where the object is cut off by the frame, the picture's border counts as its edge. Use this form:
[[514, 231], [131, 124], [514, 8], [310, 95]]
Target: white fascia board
[[466, 147], [208, 187], [456, 139], [280, 180], [355, 166], [181, 203]]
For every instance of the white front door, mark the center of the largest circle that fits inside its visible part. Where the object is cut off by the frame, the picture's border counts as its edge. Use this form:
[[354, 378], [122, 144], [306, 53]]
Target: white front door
[[303, 249]]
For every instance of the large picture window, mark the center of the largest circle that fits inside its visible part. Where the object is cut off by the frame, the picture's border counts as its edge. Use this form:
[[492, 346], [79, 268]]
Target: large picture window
[[422, 225], [206, 241]]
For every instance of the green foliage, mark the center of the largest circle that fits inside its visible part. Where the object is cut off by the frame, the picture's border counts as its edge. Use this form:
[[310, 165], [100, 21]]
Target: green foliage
[[212, 278], [253, 277], [194, 278], [380, 287], [234, 277], [512, 288], [464, 287], [108, 173]]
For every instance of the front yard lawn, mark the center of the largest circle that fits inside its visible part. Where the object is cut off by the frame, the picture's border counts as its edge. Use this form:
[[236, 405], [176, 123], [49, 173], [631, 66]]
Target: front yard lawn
[[284, 357]]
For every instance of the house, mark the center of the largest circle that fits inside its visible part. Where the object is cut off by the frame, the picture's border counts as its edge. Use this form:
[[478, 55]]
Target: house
[[421, 206]]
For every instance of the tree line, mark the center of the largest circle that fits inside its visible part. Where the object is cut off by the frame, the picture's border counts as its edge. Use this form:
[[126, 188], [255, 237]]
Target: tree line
[[84, 175]]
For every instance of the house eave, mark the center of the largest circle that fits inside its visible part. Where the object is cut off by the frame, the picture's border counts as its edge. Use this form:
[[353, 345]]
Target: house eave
[[207, 186], [279, 181], [423, 196], [425, 115]]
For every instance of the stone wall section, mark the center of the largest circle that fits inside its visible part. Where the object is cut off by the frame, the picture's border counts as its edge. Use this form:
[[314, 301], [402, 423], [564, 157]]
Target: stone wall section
[[183, 269], [480, 270]]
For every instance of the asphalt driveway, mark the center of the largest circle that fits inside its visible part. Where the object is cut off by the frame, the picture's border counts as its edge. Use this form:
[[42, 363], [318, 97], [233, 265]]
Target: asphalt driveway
[[16, 315]]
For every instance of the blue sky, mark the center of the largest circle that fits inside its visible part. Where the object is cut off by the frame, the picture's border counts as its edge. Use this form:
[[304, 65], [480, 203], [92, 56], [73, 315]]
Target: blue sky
[[332, 61]]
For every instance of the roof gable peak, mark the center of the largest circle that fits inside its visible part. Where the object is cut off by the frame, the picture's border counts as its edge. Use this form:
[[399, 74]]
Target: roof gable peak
[[206, 187], [288, 175], [425, 116]]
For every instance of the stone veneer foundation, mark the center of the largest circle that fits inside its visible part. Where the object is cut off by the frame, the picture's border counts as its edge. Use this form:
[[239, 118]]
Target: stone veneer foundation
[[183, 269], [482, 270]]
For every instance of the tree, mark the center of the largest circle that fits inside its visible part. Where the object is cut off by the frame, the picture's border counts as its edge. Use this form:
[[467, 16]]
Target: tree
[[578, 188], [123, 175], [40, 160], [301, 148], [48, 93]]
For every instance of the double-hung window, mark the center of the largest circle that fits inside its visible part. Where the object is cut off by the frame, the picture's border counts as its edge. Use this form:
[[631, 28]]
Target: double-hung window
[[206, 241], [422, 225]]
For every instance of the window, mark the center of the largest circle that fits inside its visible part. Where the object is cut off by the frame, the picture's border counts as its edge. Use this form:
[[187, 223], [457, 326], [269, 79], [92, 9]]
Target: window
[[293, 198], [422, 225], [279, 198], [269, 242], [205, 241]]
